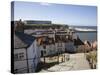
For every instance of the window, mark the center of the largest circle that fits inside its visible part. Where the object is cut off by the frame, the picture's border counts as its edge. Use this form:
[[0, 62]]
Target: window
[[44, 46], [21, 55], [59, 44], [18, 56]]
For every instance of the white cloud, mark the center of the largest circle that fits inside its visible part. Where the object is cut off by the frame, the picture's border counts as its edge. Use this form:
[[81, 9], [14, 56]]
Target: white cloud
[[45, 3]]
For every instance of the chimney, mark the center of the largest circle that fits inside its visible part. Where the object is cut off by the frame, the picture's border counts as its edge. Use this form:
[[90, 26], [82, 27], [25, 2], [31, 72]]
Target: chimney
[[19, 26]]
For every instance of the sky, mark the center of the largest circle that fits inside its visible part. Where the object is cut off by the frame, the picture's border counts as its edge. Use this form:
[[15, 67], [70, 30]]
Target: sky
[[57, 13]]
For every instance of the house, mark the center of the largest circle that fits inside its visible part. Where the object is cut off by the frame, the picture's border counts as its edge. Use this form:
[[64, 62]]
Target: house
[[64, 40], [46, 45], [60, 43], [94, 45], [88, 46], [26, 53], [55, 43], [50, 47], [69, 44]]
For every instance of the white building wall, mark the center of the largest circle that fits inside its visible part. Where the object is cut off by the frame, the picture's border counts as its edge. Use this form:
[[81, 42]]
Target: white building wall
[[37, 51], [51, 35], [20, 64], [58, 47], [50, 49], [53, 48], [63, 46], [33, 56], [41, 48]]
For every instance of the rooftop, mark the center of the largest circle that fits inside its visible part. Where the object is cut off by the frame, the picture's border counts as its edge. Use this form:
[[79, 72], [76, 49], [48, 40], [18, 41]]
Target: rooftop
[[22, 40], [78, 42]]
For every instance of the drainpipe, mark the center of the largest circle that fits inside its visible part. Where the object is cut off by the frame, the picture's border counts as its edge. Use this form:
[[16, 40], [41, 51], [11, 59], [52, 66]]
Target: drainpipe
[[27, 61]]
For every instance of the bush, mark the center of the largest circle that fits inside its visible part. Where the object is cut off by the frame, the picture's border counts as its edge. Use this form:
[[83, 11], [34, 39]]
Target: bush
[[92, 58]]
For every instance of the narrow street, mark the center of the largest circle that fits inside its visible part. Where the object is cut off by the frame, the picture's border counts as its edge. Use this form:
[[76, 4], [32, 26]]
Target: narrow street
[[76, 62]]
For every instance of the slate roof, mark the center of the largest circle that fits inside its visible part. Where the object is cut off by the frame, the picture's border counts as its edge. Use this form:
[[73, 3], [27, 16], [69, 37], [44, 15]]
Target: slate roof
[[18, 43], [78, 42], [22, 40], [89, 43]]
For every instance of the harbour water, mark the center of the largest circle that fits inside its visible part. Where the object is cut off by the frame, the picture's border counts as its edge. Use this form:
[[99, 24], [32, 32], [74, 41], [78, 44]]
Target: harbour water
[[91, 36]]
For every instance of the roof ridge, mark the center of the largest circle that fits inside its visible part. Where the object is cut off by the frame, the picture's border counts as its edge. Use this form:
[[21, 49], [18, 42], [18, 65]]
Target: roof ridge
[[28, 39]]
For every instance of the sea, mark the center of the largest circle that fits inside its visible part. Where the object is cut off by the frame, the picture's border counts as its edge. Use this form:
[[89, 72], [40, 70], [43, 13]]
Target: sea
[[90, 36]]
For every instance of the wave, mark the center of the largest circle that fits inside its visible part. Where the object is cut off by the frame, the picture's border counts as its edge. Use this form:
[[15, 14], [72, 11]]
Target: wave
[[84, 29]]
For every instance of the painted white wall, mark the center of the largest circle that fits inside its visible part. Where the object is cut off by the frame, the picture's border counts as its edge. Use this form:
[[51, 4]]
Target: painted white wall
[[21, 50], [37, 50], [20, 64], [34, 55], [33, 52], [51, 35], [63, 46], [57, 47], [50, 49]]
